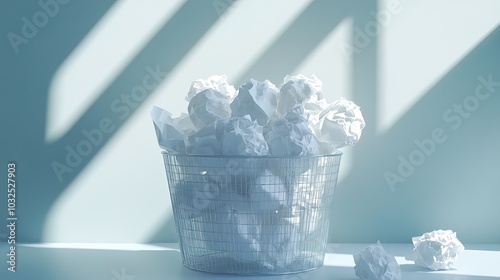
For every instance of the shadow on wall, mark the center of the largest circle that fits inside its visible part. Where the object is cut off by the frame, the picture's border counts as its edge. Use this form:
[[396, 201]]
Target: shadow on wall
[[29, 74], [437, 167], [453, 187]]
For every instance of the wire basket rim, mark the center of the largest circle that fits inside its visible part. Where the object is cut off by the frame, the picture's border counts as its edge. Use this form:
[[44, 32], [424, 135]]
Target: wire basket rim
[[335, 154]]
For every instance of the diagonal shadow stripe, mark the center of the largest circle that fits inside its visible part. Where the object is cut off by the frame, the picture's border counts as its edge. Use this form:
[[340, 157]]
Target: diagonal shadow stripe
[[456, 187], [28, 76], [298, 40], [364, 72], [164, 51]]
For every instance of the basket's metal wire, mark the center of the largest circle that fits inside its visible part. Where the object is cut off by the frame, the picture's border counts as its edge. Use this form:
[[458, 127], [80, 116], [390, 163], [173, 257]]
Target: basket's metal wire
[[252, 215]]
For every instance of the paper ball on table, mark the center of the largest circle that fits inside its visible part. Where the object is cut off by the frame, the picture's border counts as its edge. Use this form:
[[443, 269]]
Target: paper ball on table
[[373, 263], [436, 250]]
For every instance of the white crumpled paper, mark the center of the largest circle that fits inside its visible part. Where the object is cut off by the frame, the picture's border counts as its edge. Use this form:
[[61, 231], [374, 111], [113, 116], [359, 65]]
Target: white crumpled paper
[[208, 140], [436, 250], [184, 124], [234, 222], [279, 135], [268, 192], [296, 121], [279, 240], [193, 199], [243, 137], [339, 124], [256, 99], [306, 140], [297, 90], [373, 263], [291, 135], [169, 136], [217, 82], [208, 106]]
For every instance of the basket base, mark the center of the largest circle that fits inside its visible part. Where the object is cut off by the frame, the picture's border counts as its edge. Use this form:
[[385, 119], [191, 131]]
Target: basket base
[[220, 263]]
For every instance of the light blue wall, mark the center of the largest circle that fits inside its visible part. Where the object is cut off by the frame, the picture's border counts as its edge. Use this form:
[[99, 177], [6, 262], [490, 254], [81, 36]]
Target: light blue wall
[[406, 68]]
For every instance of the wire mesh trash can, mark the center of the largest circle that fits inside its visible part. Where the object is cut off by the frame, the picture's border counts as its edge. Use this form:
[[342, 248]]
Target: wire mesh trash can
[[252, 215]]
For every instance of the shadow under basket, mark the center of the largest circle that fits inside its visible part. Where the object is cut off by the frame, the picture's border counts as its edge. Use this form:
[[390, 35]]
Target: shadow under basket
[[252, 215]]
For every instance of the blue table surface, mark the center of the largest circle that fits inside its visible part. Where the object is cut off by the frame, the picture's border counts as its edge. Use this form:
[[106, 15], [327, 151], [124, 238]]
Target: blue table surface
[[116, 261]]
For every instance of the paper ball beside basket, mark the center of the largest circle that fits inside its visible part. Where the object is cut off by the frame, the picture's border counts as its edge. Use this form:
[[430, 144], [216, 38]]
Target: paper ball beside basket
[[252, 193]]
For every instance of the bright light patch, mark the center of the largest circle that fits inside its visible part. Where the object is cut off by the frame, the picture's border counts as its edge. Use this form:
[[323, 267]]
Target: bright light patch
[[415, 54], [100, 57], [342, 260]]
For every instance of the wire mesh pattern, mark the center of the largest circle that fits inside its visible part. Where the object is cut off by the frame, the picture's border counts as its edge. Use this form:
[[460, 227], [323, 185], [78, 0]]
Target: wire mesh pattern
[[252, 215]]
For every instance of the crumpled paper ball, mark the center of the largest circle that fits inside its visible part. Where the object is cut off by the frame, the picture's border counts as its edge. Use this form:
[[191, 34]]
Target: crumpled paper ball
[[243, 137], [169, 135], [291, 135], [195, 198], [279, 240], [268, 192], [296, 90], [257, 99], [296, 119], [314, 105], [284, 139], [237, 223], [436, 250], [184, 124], [208, 106], [236, 175], [207, 141], [217, 82], [373, 263], [340, 124]]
